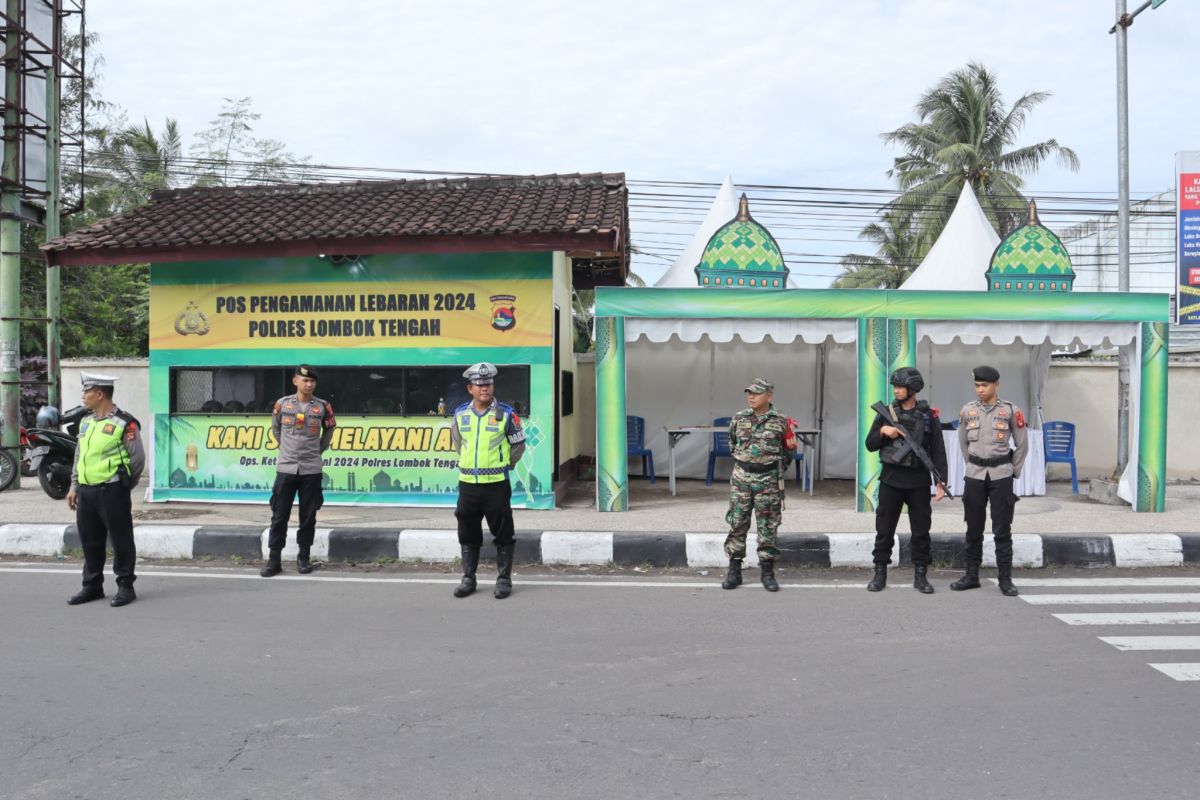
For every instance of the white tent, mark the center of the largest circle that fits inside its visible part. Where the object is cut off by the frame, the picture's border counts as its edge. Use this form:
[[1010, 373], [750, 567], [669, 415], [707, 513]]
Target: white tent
[[692, 371], [960, 257]]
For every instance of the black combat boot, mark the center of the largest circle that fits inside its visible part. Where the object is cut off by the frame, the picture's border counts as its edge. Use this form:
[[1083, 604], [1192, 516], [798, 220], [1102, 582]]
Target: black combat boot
[[767, 568], [124, 596], [1006, 585], [303, 565], [504, 559], [733, 578], [968, 581], [920, 583], [86, 595], [470, 562], [273, 565], [879, 580]]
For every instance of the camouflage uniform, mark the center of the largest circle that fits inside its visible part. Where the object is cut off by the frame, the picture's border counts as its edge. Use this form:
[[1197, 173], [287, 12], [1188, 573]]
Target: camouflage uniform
[[757, 443]]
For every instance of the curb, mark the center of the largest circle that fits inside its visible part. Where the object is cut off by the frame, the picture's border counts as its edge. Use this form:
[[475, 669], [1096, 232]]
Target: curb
[[580, 548]]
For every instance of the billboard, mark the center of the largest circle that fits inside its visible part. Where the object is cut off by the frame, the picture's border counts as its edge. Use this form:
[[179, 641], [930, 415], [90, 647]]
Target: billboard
[[1187, 244]]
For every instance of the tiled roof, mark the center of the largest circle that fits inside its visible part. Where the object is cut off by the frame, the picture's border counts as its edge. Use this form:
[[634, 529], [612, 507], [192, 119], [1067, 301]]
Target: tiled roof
[[543, 212]]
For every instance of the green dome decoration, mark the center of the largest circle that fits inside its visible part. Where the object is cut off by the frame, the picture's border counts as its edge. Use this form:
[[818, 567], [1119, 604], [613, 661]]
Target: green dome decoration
[[742, 253], [1031, 259]]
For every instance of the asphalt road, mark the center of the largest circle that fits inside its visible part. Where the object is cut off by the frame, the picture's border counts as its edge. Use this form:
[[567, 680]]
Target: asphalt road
[[216, 684]]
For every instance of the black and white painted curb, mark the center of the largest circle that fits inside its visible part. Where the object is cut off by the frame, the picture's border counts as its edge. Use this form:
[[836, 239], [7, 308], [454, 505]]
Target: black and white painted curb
[[578, 548]]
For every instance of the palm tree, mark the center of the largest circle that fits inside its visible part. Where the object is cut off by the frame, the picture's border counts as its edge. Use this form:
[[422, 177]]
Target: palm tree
[[963, 133], [899, 249], [135, 161]]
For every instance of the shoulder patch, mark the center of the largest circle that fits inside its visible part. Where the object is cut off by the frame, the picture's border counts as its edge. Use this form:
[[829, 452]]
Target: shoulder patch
[[1019, 418]]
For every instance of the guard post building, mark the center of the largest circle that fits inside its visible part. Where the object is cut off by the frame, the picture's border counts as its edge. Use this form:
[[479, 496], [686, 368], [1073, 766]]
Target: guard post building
[[389, 290]]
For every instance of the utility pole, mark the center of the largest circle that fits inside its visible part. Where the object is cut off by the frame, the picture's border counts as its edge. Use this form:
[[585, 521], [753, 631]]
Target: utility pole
[[53, 272], [1124, 353], [1123, 22], [10, 240]]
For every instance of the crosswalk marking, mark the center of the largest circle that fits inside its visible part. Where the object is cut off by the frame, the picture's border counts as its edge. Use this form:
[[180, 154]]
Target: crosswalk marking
[[1153, 642], [1110, 599], [1180, 672], [1066, 583], [1133, 618]]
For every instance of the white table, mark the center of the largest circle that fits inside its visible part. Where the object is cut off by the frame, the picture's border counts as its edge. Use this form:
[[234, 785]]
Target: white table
[[809, 440], [1033, 471]]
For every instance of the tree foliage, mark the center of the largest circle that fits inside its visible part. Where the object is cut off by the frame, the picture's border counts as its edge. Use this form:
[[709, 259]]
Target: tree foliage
[[899, 250], [964, 133], [105, 310]]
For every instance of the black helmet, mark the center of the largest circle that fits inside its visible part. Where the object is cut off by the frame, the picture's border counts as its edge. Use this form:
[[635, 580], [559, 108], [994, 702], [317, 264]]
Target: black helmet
[[47, 417], [909, 378]]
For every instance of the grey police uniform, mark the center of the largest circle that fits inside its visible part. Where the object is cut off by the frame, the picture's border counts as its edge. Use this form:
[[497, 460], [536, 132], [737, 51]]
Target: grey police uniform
[[994, 444], [987, 434], [304, 430]]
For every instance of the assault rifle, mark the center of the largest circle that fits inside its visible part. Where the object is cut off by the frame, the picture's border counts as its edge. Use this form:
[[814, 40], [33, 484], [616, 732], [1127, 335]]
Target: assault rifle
[[919, 451]]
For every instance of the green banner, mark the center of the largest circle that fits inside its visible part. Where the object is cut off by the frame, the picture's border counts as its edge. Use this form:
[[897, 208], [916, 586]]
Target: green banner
[[1152, 412], [612, 463], [372, 460]]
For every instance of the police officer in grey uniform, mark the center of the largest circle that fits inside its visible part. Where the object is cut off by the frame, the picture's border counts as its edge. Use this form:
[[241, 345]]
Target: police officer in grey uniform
[[303, 426], [109, 459], [994, 443]]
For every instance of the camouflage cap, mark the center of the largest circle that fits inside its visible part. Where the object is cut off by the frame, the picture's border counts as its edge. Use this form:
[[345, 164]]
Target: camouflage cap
[[760, 386]]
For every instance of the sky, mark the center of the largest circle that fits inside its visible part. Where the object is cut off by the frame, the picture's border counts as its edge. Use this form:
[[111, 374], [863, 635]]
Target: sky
[[790, 93]]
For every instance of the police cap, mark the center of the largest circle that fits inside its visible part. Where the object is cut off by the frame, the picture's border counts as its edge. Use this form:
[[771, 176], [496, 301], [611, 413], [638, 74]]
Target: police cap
[[481, 374], [760, 386], [305, 371], [986, 374], [91, 380]]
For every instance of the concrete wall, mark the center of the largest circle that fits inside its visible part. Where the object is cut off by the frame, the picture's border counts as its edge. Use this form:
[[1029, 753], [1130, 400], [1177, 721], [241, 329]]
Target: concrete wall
[[1086, 394], [570, 428], [131, 392]]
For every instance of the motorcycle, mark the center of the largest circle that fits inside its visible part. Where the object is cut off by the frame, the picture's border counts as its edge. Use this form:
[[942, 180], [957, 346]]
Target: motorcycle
[[10, 464], [53, 448]]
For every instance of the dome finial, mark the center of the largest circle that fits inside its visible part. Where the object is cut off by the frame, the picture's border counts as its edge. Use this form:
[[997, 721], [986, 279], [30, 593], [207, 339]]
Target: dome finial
[[1033, 217], [743, 209]]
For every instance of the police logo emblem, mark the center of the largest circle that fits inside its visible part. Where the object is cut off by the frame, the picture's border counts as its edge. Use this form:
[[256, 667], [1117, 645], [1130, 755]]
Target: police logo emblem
[[504, 311], [192, 321]]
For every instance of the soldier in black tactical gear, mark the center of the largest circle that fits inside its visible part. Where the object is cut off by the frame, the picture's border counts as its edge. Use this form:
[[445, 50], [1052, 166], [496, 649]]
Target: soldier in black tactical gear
[[905, 479]]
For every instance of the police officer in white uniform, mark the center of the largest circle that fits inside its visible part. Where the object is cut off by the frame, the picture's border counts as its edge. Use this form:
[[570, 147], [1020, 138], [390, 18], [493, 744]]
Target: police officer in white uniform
[[109, 460], [488, 437], [994, 443]]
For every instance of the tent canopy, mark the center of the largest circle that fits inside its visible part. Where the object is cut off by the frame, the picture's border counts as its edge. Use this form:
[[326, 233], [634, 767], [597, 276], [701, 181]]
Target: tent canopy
[[959, 259]]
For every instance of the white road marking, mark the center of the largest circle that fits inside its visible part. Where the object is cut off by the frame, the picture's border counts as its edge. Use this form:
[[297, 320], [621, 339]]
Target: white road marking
[[1145, 618], [1153, 642], [1110, 599], [1180, 672], [1062, 583], [581, 581]]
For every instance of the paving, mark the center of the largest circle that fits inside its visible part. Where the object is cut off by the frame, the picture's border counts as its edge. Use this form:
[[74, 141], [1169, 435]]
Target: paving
[[821, 529]]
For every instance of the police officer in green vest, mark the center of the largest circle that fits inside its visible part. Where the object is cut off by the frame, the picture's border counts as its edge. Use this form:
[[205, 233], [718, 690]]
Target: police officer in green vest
[[109, 460], [489, 440]]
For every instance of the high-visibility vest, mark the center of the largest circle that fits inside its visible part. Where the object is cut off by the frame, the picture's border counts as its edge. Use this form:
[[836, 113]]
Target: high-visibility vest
[[102, 449], [484, 452]]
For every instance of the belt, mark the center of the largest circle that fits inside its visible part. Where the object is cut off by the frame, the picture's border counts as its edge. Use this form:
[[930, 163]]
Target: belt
[[483, 471], [991, 462], [757, 468]]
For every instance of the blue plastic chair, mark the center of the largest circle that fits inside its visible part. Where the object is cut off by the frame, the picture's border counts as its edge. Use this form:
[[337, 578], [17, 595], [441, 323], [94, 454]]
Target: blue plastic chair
[[635, 444], [801, 478], [720, 447], [1059, 440]]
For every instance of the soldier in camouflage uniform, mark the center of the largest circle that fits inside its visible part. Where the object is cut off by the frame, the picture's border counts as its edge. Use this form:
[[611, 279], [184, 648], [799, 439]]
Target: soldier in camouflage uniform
[[762, 444]]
